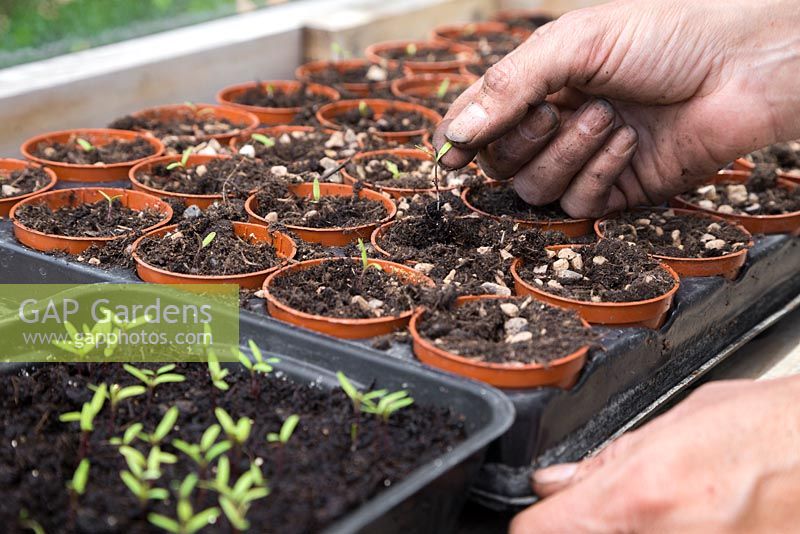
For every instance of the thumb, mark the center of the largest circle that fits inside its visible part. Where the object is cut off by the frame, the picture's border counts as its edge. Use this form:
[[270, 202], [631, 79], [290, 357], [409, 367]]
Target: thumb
[[555, 55]]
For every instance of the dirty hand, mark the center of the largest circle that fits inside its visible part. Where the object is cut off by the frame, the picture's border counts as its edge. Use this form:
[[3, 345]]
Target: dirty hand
[[725, 460], [645, 98]]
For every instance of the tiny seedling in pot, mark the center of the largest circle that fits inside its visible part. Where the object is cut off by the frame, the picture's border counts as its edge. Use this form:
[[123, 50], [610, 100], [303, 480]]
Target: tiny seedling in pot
[[207, 240], [411, 49], [84, 144], [393, 168], [268, 142], [365, 264], [359, 400], [217, 373], [27, 522], [315, 191], [85, 418], [441, 91], [110, 201], [236, 500], [129, 436], [77, 486], [237, 432], [143, 472], [363, 109], [205, 452], [183, 161], [287, 428], [260, 365], [389, 404], [151, 378], [187, 522], [116, 394]]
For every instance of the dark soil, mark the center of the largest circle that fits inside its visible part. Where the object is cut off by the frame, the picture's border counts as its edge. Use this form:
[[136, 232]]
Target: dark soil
[[391, 121], [413, 173], [785, 156], [481, 330], [624, 274], [370, 74], [503, 201], [442, 104], [761, 195], [421, 55], [528, 23], [262, 96], [115, 151], [344, 289], [227, 254], [22, 181], [186, 127], [232, 177], [306, 152], [420, 204], [329, 212], [479, 69], [318, 477], [87, 220], [665, 233]]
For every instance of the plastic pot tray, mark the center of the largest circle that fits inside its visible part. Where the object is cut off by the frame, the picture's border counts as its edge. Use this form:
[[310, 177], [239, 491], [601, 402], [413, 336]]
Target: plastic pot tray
[[633, 370]]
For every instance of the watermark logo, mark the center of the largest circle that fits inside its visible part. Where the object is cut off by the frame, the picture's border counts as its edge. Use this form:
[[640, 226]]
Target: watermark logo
[[117, 322]]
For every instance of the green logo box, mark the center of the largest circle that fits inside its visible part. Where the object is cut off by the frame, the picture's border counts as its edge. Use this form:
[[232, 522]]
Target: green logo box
[[118, 322]]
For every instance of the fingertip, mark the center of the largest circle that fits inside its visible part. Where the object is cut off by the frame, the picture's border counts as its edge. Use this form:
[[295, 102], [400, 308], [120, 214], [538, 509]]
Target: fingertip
[[456, 157]]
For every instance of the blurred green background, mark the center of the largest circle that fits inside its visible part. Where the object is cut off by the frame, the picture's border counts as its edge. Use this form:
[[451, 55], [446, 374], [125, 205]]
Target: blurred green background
[[31, 30]]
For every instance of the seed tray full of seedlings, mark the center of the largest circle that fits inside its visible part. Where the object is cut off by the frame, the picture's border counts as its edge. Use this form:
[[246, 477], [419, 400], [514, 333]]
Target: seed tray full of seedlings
[[354, 251]]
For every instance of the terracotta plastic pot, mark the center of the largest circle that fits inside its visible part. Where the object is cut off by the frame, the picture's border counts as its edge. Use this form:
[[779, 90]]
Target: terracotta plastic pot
[[229, 95], [423, 86], [744, 164], [201, 201], [70, 172], [255, 233], [728, 265], [134, 200], [570, 227], [376, 236], [788, 223], [329, 237], [649, 313], [562, 372], [9, 165], [394, 192], [240, 140], [328, 114], [339, 327], [454, 33], [464, 54], [234, 116], [304, 74]]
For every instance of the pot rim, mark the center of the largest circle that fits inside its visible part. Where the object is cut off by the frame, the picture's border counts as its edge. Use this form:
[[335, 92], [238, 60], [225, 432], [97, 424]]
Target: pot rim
[[251, 120], [170, 159], [7, 163], [345, 105], [223, 95]]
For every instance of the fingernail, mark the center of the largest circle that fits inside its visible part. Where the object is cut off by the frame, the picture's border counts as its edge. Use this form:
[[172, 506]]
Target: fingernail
[[557, 474], [596, 117], [468, 124], [541, 122]]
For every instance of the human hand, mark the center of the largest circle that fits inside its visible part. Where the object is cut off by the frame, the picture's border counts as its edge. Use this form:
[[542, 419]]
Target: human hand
[[654, 96], [725, 460]]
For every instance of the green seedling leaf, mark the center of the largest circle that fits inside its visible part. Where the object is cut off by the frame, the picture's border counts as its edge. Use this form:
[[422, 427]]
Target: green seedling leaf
[[444, 150], [202, 519], [217, 373], [392, 168], [411, 49], [84, 144], [268, 142], [441, 92], [315, 190], [288, 427], [183, 161], [208, 239], [363, 108], [164, 523], [166, 425], [348, 387], [80, 477], [364, 258]]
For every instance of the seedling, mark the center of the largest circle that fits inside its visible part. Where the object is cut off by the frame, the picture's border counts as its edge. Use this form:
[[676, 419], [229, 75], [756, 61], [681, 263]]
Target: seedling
[[411, 49], [286, 431], [270, 90], [261, 364], [315, 191], [151, 378], [143, 472], [360, 400], [207, 240], [268, 142], [237, 432], [187, 521], [363, 109], [85, 417], [190, 105], [110, 201], [77, 343], [80, 478], [217, 373], [207, 450], [236, 500], [84, 144], [116, 394], [389, 404], [26, 521], [444, 150], [441, 92], [365, 264], [392, 168], [163, 428], [183, 161], [131, 433]]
